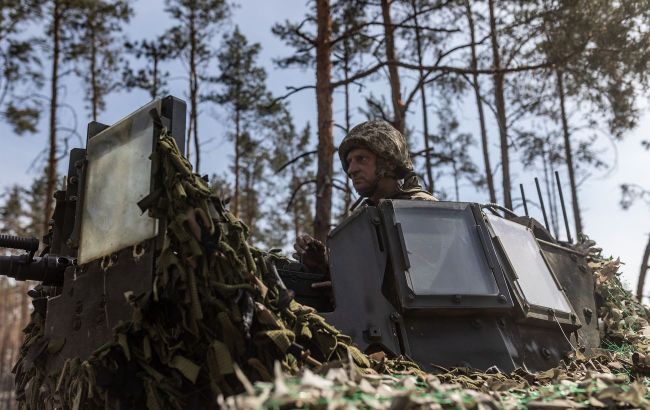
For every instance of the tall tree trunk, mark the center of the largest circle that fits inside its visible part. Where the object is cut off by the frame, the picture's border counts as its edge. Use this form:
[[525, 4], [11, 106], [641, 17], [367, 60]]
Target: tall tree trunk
[[194, 90], [423, 97], [295, 182], [4, 329], [235, 201], [324, 106], [479, 105], [395, 88], [93, 69], [569, 154], [51, 158], [644, 269], [347, 199], [551, 203], [501, 109], [154, 74]]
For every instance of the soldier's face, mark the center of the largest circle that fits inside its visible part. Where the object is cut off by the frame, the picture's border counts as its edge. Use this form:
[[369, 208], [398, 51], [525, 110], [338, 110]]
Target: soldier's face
[[362, 169]]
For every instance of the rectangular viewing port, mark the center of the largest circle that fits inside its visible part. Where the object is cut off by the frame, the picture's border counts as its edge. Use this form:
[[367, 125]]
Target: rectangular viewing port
[[117, 177]]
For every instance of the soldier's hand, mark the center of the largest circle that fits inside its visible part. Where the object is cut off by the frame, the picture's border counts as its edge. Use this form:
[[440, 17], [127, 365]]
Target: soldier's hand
[[311, 252]]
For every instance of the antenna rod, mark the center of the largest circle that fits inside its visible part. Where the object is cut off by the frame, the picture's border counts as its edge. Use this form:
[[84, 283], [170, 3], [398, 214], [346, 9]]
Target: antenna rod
[[523, 198], [541, 202], [566, 220]]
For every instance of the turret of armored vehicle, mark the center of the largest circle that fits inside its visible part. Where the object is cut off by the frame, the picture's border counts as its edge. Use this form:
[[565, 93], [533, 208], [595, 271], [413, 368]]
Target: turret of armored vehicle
[[455, 284], [442, 283], [98, 235]]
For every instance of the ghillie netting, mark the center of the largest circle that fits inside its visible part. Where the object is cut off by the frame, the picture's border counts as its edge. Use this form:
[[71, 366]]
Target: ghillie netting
[[614, 376], [219, 329], [217, 317]]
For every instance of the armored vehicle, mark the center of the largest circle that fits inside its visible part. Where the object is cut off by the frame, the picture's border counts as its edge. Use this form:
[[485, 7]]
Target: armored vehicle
[[98, 234], [443, 283], [455, 284]]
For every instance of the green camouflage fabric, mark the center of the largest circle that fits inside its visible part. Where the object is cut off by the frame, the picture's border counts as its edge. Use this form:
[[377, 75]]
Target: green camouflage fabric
[[616, 376], [216, 317], [219, 330], [382, 139]]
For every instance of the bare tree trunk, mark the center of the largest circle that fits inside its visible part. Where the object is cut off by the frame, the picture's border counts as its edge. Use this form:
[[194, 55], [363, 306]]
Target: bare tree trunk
[[194, 91], [395, 88], [52, 158], [324, 172], [235, 201], [296, 221], [423, 97], [154, 88], [569, 155], [501, 110], [644, 269], [479, 105], [93, 69], [550, 198], [347, 199], [4, 328]]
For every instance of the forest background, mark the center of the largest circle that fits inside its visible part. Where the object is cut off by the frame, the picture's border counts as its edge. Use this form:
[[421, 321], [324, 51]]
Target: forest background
[[506, 81]]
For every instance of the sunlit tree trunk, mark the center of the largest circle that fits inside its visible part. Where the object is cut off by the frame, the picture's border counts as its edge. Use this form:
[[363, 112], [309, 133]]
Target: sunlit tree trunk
[[423, 98], [501, 109], [54, 82], [194, 92], [568, 153], [325, 123], [644, 270], [479, 105], [389, 39]]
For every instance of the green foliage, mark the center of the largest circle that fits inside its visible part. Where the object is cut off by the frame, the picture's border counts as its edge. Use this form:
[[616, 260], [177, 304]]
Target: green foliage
[[453, 151], [291, 161], [197, 22], [21, 212], [150, 77], [241, 89], [20, 66], [95, 26], [242, 80]]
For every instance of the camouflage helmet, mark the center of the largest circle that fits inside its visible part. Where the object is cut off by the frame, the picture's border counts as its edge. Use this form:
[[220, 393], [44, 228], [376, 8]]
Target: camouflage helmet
[[383, 140]]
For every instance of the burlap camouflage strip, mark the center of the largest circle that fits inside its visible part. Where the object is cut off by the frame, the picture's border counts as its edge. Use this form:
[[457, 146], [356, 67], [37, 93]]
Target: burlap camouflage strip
[[217, 308], [218, 322], [615, 376]]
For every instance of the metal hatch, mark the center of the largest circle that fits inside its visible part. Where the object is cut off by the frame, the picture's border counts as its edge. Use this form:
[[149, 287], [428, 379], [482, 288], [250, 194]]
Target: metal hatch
[[442, 256], [534, 283]]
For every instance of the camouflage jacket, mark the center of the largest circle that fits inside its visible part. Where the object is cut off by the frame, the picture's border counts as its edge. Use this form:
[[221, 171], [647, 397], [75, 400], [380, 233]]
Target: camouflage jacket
[[413, 194]]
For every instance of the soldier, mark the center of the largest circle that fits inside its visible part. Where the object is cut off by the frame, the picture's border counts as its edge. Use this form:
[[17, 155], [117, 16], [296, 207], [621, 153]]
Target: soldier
[[376, 158]]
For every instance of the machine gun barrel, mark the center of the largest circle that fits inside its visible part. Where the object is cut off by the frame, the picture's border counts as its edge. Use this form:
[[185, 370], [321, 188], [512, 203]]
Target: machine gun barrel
[[16, 242], [47, 269]]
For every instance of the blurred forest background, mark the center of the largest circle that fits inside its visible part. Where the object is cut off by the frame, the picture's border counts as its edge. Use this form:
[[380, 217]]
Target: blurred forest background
[[547, 85]]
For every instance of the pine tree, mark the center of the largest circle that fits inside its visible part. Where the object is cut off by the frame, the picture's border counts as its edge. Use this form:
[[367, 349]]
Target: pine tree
[[243, 92], [500, 104], [489, 178], [150, 77], [197, 22], [98, 25], [614, 43], [59, 37], [291, 160], [454, 145], [20, 66]]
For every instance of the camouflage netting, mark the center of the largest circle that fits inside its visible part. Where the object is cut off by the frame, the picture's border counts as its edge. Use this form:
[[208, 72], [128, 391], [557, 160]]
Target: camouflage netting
[[217, 316], [219, 330], [615, 376]]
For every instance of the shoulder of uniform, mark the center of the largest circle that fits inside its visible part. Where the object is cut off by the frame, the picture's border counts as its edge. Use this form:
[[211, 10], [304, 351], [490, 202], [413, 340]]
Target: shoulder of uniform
[[423, 196]]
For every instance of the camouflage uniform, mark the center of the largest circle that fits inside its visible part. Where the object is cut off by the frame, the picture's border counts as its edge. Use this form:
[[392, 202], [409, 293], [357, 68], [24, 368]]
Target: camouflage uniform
[[393, 159]]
